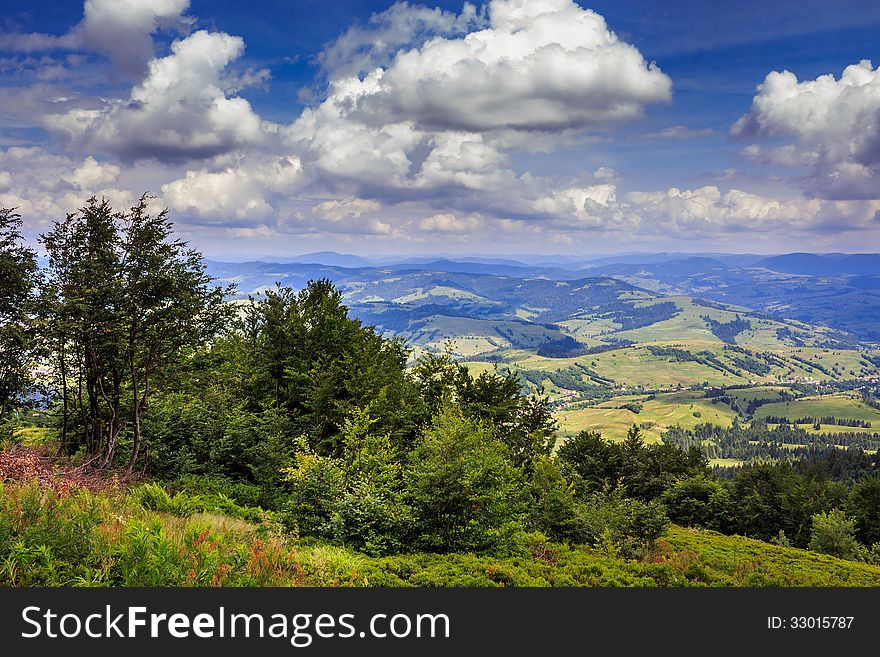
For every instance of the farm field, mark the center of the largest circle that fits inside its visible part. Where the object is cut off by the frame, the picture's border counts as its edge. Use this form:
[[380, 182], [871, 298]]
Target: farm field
[[841, 406], [685, 409]]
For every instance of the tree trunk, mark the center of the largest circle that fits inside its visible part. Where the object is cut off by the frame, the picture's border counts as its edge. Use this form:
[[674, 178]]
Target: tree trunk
[[62, 448]]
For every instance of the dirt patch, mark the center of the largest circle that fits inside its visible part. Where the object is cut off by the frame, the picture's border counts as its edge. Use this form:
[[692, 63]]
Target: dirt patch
[[23, 464]]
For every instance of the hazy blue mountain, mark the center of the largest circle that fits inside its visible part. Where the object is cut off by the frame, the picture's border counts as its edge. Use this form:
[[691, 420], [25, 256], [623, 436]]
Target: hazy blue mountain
[[838, 264], [835, 290]]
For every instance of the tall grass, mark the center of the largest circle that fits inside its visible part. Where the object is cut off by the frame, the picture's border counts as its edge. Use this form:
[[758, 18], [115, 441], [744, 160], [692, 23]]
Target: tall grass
[[148, 537]]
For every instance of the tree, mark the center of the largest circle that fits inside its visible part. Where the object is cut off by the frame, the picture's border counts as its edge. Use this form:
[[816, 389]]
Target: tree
[[305, 356], [699, 501], [169, 306], [833, 533], [462, 485], [553, 504], [18, 266], [79, 310], [524, 423], [863, 506], [122, 302], [597, 461]]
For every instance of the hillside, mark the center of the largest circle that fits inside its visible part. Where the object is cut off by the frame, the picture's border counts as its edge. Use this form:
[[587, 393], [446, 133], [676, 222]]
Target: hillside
[[120, 538]]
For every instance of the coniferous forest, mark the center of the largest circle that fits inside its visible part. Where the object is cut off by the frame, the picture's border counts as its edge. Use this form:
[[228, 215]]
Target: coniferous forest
[[155, 431]]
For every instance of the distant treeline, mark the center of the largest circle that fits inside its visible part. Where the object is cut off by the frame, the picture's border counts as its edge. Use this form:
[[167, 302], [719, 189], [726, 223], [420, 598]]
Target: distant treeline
[[727, 331], [577, 378], [704, 357], [568, 347], [758, 442], [828, 419]]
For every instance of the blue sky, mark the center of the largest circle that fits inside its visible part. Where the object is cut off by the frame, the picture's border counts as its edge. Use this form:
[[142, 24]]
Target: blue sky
[[549, 126]]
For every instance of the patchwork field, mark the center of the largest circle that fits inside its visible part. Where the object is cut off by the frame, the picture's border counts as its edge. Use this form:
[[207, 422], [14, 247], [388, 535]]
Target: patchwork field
[[656, 414], [842, 406]]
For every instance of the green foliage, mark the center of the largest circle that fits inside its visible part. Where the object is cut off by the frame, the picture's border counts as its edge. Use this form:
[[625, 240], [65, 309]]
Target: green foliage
[[82, 539], [303, 355], [553, 505], [122, 301], [622, 525], [155, 497], [18, 266], [644, 471], [524, 423], [863, 506], [699, 501], [770, 498], [833, 533], [316, 485], [462, 486]]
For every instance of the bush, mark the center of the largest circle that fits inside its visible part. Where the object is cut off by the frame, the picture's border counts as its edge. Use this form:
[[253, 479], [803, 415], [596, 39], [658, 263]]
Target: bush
[[155, 497], [699, 502], [463, 487], [834, 534], [621, 524]]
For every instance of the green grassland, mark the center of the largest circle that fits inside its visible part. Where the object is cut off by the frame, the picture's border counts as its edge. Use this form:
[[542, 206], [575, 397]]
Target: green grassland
[[120, 539], [685, 409], [825, 429], [470, 336], [840, 405], [639, 367]]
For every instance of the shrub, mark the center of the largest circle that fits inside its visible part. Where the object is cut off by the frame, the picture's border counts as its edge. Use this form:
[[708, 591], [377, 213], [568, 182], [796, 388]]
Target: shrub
[[462, 486], [621, 524], [699, 501], [834, 533]]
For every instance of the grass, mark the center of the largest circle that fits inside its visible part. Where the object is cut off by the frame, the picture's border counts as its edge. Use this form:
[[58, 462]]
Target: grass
[[841, 405], [685, 409], [739, 561], [726, 463], [33, 436], [83, 539]]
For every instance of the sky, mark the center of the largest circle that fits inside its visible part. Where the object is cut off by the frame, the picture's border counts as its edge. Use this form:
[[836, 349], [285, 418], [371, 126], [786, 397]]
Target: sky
[[275, 128]]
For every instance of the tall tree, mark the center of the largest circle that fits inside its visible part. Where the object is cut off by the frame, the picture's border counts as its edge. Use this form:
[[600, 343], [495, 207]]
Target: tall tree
[[168, 305], [122, 302], [79, 309], [18, 265]]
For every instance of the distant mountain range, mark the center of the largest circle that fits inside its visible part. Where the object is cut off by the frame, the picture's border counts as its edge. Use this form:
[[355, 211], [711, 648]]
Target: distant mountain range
[[839, 291]]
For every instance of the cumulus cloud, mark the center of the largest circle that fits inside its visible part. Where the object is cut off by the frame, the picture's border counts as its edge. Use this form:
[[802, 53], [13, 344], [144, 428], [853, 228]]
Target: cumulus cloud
[[701, 212], [120, 29], [180, 110], [247, 190], [364, 47], [350, 207], [541, 65], [835, 124], [442, 115], [45, 186], [419, 135], [447, 222]]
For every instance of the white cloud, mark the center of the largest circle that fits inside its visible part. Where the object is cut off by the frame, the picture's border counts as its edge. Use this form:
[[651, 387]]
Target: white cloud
[[542, 65], [679, 132], [45, 187], [584, 203], [350, 207], [442, 115], [363, 48], [251, 189], [179, 111], [120, 29], [835, 124], [705, 212], [447, 222]]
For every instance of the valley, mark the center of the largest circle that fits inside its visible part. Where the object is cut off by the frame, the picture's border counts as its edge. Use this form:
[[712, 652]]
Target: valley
[[657, 341]]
